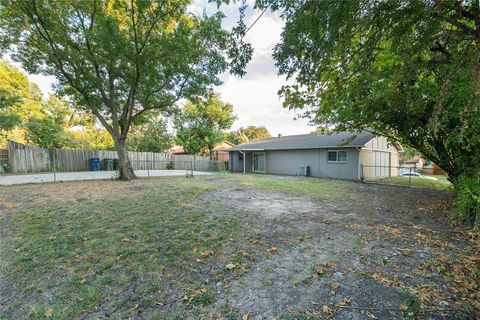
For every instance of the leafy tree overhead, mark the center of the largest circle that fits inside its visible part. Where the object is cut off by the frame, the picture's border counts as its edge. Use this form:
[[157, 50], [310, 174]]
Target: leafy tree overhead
[[202, 123], [249, 133], [407, 69], [120, 60]]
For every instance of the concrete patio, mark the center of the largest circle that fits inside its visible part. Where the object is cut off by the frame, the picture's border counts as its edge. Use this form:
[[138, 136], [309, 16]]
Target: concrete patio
[[87, 175]]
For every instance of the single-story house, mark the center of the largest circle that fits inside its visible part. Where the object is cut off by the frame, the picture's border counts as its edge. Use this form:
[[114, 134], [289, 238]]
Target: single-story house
[[341, 155]]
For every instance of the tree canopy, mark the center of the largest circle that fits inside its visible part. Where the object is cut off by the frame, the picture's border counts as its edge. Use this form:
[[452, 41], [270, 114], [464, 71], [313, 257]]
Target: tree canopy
[[26, 117], [152, 136], [245, 134], [120, 60], [202, 124], [406, 69]]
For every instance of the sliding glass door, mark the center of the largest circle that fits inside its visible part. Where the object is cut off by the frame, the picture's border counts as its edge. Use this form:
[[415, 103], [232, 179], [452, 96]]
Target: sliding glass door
[[258, 162]]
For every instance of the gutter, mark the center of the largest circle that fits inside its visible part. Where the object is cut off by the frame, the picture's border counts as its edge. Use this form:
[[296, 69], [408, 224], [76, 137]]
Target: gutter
[[359, 174], [244, 159]]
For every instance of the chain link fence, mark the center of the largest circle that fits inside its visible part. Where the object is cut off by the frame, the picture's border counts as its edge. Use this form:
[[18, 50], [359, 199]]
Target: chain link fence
[[107, 168], [403, 175]]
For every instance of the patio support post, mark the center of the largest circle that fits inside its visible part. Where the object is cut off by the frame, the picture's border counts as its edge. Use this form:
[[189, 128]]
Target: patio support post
[[244, 160]]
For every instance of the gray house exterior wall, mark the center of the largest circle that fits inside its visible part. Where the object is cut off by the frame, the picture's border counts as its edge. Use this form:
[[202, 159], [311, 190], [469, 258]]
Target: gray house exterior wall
[[287, 161]]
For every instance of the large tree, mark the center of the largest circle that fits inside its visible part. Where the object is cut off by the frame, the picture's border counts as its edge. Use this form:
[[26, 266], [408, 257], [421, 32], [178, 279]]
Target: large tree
[[202, 124], [408, 69], [120, 60], [245, 134]]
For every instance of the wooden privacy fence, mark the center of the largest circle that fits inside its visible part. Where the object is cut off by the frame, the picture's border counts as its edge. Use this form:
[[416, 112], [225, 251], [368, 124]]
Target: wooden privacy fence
[[28, 159]]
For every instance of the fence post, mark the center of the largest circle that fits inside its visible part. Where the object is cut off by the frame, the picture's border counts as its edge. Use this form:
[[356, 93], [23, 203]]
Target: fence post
[[192, 167], [55, 165], [11, 150], [410, 177]]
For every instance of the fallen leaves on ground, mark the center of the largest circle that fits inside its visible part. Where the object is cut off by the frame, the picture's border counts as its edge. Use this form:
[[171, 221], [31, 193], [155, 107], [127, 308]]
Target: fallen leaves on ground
[[421, 236], [272, 249], [49, 312], [405, 251], [257, 241], [344, 302], [392, 230], [318, 270], [326, 310], [207, 253], [388, 282]]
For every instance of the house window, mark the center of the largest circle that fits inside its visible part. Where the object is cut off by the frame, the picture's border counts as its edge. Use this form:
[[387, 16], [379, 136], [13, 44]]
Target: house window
[[337, 156], [258, 162], [240, 156]]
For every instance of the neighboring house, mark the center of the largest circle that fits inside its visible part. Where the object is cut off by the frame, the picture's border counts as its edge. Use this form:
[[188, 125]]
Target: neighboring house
[[343, 155], [220, 152], [416, 162], [176, 150], [431, 168]]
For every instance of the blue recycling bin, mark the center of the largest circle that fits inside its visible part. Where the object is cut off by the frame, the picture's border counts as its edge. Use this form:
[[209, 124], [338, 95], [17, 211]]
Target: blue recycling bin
[[94, 164]]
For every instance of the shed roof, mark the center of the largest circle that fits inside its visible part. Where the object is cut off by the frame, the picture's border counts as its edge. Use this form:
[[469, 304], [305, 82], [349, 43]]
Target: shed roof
[[309, 141]]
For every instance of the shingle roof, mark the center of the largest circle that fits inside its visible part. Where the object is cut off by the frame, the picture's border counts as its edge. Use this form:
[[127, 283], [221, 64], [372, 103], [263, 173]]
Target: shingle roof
[[309, 141]]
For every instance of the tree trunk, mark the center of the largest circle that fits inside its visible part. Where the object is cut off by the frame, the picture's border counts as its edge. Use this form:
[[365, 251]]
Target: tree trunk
[[125, 169]]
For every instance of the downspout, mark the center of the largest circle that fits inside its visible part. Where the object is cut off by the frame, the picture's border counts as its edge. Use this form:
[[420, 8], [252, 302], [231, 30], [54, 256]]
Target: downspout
[[244, 159], [359, 164]]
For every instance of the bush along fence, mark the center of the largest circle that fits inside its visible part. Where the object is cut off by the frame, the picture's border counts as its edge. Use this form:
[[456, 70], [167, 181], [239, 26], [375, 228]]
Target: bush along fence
[[28, 159]]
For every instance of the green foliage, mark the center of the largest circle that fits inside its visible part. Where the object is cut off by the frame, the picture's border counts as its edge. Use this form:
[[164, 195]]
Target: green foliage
[[406, 69], [201, 124], [152, 136], [123, 61], [411, 306], [323, 130], [19, 99], [467, 204], [249, 133], [47, 133], [26, 117], [408, 153]]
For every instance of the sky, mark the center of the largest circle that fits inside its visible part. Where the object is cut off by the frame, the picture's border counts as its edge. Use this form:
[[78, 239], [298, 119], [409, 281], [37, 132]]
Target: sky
[[254, 96]]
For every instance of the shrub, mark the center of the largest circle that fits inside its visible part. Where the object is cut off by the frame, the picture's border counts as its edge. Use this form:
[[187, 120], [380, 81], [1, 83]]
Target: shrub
[[468, 198], [4, 168]]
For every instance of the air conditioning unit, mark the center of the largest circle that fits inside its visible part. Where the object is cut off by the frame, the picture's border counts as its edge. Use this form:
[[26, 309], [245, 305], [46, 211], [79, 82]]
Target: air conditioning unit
[[303, 170]]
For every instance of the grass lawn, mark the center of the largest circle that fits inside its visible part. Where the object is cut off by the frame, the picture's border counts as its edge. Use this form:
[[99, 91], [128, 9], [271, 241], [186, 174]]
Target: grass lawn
[[225, 247], [439, 182], [69, 256]]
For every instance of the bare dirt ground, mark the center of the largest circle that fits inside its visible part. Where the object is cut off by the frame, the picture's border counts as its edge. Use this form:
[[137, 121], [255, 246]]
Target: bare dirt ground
[[380, 248], [304, 251]]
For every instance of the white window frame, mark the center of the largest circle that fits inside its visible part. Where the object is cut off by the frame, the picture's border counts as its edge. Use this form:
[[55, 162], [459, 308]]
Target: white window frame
[[336, 152], [264, 162]]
